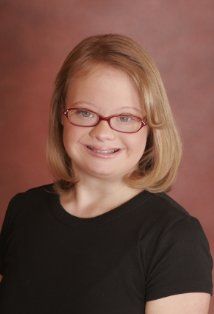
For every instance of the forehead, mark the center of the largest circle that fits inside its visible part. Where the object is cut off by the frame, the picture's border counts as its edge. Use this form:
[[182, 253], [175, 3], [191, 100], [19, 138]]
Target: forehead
[[104, 85], [101, 72]]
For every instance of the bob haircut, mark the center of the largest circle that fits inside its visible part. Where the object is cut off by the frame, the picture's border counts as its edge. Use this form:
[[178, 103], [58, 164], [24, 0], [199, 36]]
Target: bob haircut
[[157, 168]]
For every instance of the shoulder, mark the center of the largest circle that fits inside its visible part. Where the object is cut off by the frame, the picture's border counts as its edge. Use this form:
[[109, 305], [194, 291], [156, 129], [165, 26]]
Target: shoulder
[[39, 190], [163, 203], [162, 212], [169, 224], [27, 201], [34, 193]]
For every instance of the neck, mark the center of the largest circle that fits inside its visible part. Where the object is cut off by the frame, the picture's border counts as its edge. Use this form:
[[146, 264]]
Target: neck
[[92, 197]]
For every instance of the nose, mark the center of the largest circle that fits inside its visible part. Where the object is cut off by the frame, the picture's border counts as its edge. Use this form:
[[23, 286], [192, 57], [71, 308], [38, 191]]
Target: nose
[[102, 131]]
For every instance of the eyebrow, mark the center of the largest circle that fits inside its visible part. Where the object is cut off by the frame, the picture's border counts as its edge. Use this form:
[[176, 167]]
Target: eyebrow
[[124, 107], [133, 108]]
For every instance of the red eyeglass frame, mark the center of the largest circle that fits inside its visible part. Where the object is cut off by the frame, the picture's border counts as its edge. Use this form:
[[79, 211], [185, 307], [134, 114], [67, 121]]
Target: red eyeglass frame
[[108, 118]]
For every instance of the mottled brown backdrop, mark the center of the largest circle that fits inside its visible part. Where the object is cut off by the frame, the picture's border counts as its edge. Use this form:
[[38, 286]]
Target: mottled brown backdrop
[[36, 36]]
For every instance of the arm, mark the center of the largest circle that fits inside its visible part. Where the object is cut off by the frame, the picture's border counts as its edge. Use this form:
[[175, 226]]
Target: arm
[[179, 276], [185, 303], [6, 231]]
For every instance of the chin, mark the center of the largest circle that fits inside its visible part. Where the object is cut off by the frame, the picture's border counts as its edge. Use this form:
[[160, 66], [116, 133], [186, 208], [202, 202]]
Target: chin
[[102, 173]]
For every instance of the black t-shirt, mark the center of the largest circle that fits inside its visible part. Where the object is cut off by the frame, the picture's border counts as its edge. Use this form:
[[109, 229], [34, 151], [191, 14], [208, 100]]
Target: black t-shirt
[[56, 263]]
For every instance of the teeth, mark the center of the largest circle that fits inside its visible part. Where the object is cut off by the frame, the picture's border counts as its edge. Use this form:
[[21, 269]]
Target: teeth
[[104, 151]]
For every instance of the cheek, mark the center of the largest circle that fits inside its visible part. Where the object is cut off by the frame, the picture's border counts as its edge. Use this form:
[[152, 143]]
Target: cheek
[[72, 134], [68, 137], [137, 142]]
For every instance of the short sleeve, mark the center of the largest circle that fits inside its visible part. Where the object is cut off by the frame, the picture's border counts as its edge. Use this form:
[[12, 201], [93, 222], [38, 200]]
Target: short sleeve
[[6, 230], [181, 261]]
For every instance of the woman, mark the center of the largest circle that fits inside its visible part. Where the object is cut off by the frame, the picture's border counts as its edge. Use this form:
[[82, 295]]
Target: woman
[[105, 237]]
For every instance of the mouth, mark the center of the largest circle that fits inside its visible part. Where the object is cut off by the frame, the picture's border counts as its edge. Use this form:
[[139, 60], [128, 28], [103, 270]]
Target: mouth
[[103, 151]]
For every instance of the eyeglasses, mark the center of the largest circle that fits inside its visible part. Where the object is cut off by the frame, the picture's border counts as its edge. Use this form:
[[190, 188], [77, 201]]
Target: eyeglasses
[[125, 123]]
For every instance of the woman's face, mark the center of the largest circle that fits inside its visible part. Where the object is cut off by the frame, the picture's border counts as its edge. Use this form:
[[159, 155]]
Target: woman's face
[[107, 91]]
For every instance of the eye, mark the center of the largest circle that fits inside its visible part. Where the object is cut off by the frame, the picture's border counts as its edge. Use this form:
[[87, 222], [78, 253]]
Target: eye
[[126, 118], [85, 113]]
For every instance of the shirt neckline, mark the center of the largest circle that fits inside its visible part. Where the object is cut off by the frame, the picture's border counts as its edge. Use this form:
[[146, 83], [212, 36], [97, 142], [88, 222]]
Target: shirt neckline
[[115, 212]]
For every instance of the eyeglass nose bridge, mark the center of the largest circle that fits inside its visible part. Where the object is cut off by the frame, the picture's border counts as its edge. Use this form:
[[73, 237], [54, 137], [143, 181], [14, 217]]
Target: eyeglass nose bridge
[[107, 119]]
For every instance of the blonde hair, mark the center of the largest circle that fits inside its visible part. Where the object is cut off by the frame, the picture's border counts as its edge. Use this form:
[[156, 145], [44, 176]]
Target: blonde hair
[[157, 168]]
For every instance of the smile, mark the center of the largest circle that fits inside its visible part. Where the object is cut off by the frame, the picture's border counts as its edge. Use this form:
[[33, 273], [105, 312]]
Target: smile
[[106, 153]]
